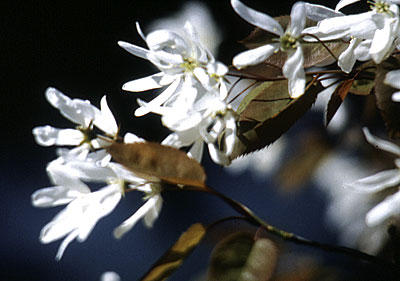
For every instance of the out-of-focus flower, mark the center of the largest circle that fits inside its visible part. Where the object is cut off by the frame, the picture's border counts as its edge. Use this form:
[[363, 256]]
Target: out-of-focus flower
[[82, 113], [384, 180], [110, 276], [393, 79], [199, 16], [187, 68], [287, 41]]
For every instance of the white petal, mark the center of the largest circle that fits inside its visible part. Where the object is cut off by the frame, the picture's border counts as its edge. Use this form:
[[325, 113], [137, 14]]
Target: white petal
[[196, 151], [131, 221], [254, 56], [380, 143], [347, 59], [132, 138], [218, 156], [54, 196], [297, 18], [377, 182], [154, 212], [396, 97], [256, 18], [64, 244], [293, 70], [382, 43], [159, 100], [393, 79], [384, 210], [78, 111], [105, 121], [134, 50], [319, 12], [343, 3], [48, 136], [144, 84]]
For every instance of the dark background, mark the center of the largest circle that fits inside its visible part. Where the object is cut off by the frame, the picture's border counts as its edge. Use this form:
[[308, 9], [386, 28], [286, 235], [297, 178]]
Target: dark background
[[73, 46]]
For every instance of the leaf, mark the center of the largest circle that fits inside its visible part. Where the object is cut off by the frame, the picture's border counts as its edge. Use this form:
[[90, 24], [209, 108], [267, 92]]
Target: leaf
[[151, 159], [267, 112], [175, 256], [241, 258], [337, 99], [314, 52], [388, 108], [362, 87]]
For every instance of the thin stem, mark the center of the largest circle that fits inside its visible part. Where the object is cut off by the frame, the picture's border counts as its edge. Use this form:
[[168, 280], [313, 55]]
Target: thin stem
[[254, 219], [323, 44]]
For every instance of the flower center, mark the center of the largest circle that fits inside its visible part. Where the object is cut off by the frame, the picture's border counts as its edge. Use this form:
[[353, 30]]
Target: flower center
[[288, 42], [381, 7], [88, 134], [189, 65]]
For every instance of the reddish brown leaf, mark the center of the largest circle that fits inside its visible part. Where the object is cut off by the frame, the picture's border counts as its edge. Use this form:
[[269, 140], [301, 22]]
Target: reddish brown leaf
[[337, 99], [151, 159]]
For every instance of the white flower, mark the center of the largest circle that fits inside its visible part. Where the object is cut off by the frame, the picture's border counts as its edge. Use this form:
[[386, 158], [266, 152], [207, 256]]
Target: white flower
[[110, 276], [380, 26], [210, 120], [85, 208], [379, 182], [82, 113], [186, 66], [393, 79], [288, 42]]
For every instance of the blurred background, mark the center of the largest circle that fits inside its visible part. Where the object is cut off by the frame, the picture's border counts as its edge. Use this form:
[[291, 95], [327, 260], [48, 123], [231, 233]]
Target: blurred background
[[73, 46]]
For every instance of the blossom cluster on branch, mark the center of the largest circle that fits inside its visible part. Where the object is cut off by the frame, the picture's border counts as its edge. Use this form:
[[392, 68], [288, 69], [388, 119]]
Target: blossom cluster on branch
[[290, 60]]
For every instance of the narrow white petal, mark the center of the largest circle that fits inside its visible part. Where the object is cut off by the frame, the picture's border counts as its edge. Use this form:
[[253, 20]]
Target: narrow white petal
[[128, 224], [297, 18], [64, 244], [134, 50], [196, 151], [396, 97], [218, 156], [105, 121], [144, 84], [377, 182], [256, 18], [384, 210], [254, 56], [343, 3], [347, 59], [319, 12], [159, 100], [382, 43], [293, 70], [393, 79], [380, 143], [154, 212], [54, 196], [48, 136]]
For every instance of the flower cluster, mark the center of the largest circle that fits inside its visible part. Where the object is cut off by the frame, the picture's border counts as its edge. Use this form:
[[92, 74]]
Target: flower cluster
[[87, 162], [194, 104]]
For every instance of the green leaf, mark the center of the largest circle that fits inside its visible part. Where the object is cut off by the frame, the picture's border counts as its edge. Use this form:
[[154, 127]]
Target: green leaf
[[175, 256], [267, 112], [383, 93], [241, 258]]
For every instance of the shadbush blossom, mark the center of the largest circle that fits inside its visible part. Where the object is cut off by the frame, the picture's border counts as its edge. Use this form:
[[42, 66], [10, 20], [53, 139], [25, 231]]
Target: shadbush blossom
[[187, 68], [82, 113], [288, 41], [195, 104]]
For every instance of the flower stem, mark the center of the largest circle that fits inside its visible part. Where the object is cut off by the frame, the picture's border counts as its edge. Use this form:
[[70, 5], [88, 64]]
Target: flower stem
[[255, 220]]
